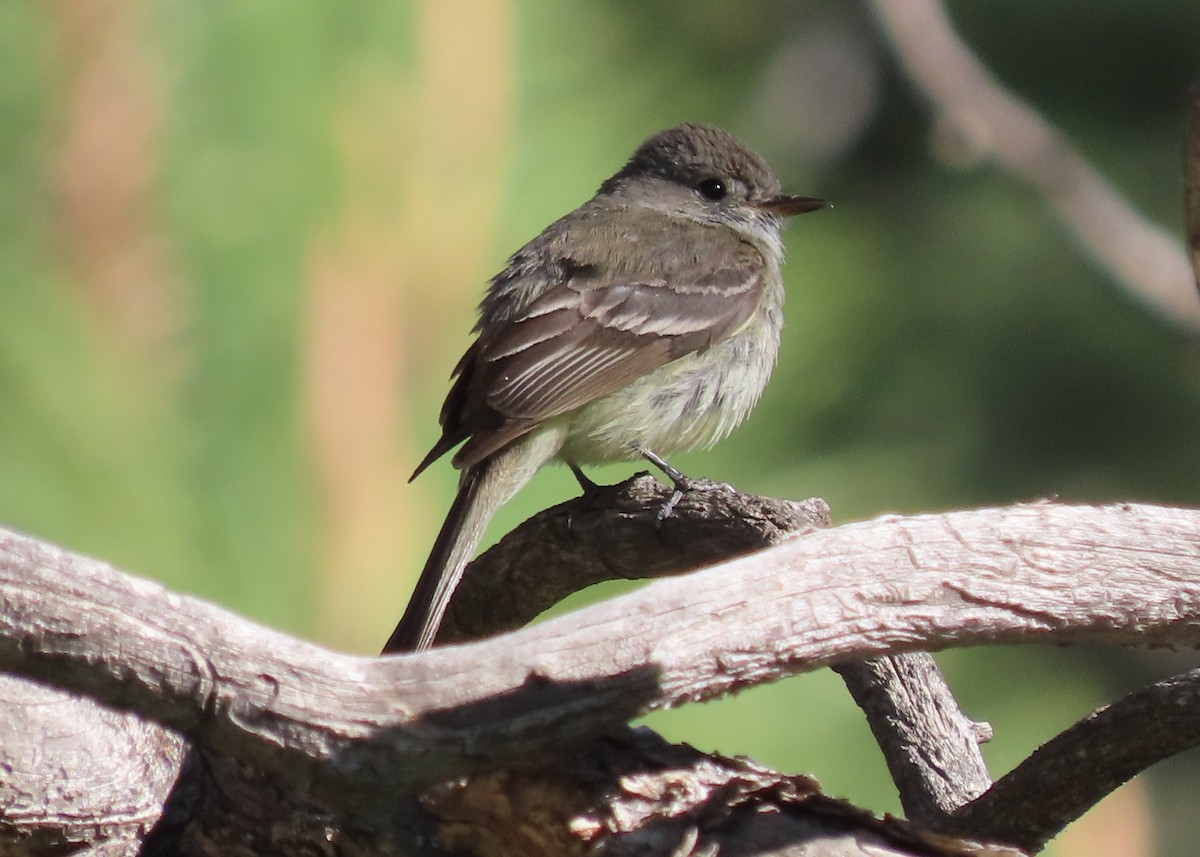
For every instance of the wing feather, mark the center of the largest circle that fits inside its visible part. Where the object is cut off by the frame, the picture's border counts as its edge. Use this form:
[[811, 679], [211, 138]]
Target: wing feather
[[596, 329], [547, 364]]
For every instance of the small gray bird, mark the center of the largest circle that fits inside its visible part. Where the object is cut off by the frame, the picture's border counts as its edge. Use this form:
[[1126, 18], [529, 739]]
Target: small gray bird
[[644, 322]]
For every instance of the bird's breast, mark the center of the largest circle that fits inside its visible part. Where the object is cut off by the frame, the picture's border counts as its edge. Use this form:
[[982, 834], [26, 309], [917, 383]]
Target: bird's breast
[[690, 403]]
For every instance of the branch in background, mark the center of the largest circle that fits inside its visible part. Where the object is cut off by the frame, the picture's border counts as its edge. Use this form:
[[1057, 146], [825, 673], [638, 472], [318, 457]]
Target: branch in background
[[1191, 178], [989, 121]]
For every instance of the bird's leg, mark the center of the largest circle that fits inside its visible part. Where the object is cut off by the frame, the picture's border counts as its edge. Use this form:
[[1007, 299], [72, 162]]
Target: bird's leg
[[591, 493], [681, 482], [587, 485]]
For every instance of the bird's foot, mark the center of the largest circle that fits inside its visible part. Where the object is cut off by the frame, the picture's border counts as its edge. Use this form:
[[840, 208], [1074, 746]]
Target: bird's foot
[[682, 483]]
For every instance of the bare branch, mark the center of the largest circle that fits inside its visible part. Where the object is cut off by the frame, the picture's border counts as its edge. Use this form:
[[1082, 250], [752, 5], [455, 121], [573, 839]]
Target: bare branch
[[66, 762], [1191, 178], [353, 730], [613, 533], [1069, 774], [627, 793], [989, 121], [930, 746], [675, 800]]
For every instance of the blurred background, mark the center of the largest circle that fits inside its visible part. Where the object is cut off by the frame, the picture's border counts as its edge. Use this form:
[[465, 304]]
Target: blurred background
[[241, 243]]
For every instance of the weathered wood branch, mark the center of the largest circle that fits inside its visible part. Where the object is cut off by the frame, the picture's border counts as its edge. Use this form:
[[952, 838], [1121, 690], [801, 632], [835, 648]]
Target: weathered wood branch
[[1118, 575], [350, 734], [1069, 774], [73, 772], [614, 533], [930, 746]]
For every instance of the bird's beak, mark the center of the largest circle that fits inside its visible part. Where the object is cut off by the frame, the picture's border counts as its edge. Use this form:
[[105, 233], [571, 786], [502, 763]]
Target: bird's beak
[[787, 206]]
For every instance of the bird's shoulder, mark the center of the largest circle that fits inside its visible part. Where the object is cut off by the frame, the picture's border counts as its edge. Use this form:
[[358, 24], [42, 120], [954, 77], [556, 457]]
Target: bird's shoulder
[[637, 243], [595, 249]]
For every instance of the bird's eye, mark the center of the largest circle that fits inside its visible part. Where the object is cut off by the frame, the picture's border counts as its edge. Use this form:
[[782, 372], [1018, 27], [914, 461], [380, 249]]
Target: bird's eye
[[713, 189]]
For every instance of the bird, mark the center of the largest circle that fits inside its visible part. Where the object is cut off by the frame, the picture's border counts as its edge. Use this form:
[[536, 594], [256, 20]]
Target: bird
[[643, 323]]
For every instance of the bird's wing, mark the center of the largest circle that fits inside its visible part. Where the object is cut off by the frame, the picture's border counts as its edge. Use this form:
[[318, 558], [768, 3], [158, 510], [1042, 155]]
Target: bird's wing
[[598, 331]]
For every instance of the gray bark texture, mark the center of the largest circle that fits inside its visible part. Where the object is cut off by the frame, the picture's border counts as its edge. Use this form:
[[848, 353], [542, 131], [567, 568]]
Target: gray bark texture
[[136, 720]]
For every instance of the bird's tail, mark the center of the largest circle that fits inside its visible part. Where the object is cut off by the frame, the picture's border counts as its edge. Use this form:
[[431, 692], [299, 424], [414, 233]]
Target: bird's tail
[[456, 541], [482, 489]]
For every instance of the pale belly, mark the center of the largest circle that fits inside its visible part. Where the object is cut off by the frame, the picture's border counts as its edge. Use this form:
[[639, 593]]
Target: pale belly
[[689, 404]]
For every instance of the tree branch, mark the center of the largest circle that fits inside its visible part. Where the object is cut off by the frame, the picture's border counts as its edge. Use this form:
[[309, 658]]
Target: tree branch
[[986, 120], [1191, 178], [658, 798], [92, 760], [351, 730], [930, 746], [1070, 773], [614, 533]]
